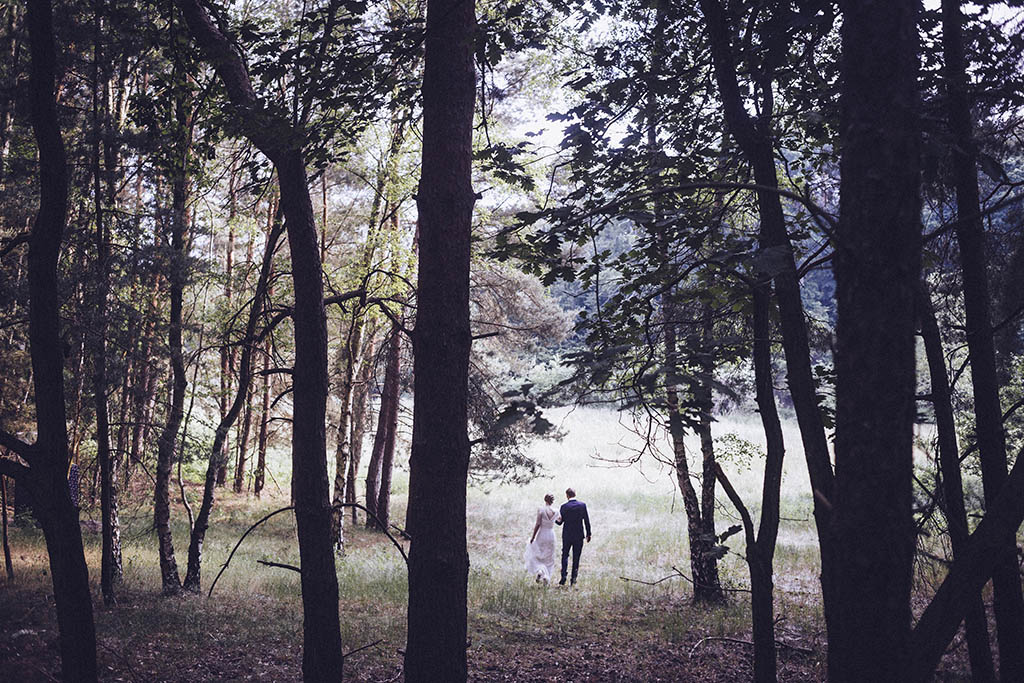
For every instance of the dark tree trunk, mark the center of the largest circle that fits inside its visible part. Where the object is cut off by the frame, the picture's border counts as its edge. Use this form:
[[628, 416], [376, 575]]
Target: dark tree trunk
[[877, 269], [984, 550], [227, 351], [976, 621], [392, 390], [322, 657], [761, 554], [376, 455], [177, 276], [1008, 599], [8, 566], [48, 458], [259, 474], [754, 140], [219, 452], [439, 463]]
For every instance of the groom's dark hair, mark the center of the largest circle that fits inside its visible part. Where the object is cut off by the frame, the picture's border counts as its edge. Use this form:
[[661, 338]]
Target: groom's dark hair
[[571, 493]]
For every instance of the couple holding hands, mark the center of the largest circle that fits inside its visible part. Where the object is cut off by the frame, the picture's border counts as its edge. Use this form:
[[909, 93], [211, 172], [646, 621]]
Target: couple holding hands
[[540, 554]]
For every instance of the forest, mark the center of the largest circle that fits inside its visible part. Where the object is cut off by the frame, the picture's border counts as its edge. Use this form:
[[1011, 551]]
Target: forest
[[307, 307]]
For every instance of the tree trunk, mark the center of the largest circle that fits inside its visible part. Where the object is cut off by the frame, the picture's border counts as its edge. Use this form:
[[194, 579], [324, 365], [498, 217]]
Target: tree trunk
[[8, 566], [259, 474], [984, 550], [219, 451], [976, 621], [374, 466], [392, 389], [1008, 599], [110, 562], [760, 555], [322, 657], [754, 139], [48, 458], [360, 401], [439, 463], [348, 361], [169, 436], [227, 351], [877, 269]]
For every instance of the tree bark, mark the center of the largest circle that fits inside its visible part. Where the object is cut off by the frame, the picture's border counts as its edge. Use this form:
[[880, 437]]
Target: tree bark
[[8, 565], [392, 390], [179, 180], [348, 363], [322, 657], [976, 621], [968, 574], [761, 554], [877, 270], [360, 402], [110, 557], [48, 458], [1008, 599], [439, 463]]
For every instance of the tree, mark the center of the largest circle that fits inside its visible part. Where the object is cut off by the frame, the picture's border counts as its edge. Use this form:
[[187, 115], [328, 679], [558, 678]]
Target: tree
[[439, 463], [48, 458], [1008, 601], [322, 657], [877, 268]]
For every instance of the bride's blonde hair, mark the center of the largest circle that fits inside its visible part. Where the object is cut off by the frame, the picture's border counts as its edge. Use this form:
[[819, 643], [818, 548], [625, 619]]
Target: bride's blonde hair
[[549, 498]]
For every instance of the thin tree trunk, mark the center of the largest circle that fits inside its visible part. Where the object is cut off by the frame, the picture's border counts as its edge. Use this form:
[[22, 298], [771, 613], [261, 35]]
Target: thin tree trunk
[[219, 451], [760, 556], [169, 436], [976, 621], [439, 463], [360, 408], [348, 359], [877, 270], [227, 351], [1008, 599], [110, 562], [372, 481], [8, 565], [392, 390]]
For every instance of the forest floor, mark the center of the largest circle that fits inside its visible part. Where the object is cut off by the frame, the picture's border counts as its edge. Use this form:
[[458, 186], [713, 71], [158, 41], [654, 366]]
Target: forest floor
[[605, 629]]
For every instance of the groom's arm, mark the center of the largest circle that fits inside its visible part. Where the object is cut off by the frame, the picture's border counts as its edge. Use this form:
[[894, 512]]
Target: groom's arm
[[586, 521]]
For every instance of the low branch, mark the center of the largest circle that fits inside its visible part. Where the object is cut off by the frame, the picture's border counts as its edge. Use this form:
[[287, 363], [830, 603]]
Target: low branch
[[12, 468], [16, 445]]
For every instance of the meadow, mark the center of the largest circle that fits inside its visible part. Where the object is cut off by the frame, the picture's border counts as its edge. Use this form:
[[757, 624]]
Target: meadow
[[605, 629]]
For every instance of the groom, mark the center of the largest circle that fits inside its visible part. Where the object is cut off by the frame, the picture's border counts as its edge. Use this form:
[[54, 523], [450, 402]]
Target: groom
[[573, 515]]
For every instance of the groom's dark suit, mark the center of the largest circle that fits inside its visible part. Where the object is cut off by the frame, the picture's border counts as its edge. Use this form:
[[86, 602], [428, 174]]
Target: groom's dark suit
[[574, 517]]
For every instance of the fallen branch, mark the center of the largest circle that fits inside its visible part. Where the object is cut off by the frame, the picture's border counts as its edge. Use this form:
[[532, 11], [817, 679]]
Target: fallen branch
[[364, 647], [795, 648], [679, 574], [267, 563]]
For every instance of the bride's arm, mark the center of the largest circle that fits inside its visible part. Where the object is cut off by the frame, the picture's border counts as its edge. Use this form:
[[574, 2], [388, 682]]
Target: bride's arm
[[536, 527]]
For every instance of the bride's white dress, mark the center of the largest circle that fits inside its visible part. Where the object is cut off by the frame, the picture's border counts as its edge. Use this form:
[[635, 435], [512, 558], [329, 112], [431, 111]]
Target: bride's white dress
[[540, 555]]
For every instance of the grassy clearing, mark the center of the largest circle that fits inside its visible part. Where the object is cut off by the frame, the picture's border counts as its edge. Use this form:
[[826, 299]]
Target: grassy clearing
[[606, 629]]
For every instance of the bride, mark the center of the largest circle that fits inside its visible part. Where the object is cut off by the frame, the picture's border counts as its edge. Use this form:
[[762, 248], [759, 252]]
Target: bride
[[540, 554]]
